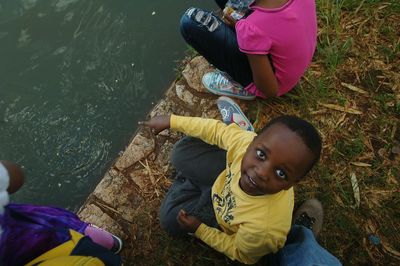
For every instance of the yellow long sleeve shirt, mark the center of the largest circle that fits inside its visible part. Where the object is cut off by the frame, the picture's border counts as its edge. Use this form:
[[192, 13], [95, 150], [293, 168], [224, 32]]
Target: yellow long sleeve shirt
[[252, 226]]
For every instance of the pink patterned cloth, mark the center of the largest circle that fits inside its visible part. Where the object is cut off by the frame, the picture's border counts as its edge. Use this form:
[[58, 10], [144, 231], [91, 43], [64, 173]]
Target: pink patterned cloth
[[288, 34]]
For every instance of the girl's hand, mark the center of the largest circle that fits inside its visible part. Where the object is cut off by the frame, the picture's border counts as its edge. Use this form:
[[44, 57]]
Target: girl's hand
[[187, 222], [227, 16], [229, 20], [158, 123]]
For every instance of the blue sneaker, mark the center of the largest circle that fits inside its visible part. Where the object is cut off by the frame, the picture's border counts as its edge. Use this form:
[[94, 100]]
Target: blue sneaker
[[221, 83], [231, 113]]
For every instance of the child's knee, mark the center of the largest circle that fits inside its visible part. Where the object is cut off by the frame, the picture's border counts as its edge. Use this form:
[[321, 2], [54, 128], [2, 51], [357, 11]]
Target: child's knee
[[169, 223], [186, 23]]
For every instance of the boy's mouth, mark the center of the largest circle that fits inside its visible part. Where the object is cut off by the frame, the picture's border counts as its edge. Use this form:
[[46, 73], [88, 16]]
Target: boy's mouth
[[252, 180], [249, 185]]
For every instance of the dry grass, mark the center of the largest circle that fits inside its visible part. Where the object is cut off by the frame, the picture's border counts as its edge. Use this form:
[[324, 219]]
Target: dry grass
[[351, 93]]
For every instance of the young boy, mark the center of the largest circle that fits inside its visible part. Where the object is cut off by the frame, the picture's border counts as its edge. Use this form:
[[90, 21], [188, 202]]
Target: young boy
[[237, 196]]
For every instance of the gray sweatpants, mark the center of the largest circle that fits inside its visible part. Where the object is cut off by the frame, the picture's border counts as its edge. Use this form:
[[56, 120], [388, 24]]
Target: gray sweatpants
[[197, 164]]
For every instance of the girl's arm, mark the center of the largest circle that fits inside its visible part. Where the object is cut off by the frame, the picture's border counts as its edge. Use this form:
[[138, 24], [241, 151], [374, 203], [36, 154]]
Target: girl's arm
[[263, 74]]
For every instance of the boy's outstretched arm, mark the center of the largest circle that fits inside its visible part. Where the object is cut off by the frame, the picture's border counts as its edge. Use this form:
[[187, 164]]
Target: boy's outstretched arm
[[209, 130], [16, 176]]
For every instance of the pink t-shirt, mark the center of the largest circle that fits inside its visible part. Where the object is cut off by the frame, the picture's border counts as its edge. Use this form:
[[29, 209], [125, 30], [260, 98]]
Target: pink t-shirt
[[288, 34]]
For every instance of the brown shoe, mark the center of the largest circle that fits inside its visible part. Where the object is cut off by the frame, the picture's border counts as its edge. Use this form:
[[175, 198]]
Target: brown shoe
[[310, 214]]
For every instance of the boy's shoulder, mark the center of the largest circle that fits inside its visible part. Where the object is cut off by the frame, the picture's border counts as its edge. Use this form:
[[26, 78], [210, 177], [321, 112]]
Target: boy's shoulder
[[240, 139]]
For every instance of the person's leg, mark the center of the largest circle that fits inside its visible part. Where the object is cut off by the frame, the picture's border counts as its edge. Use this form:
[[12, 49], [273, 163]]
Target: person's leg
[[195, 200], [198, 164], [198, 161], [301, 248], [217, 42]]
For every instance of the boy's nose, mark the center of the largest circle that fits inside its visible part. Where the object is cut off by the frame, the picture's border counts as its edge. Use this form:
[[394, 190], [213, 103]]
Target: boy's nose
[[263, 171]]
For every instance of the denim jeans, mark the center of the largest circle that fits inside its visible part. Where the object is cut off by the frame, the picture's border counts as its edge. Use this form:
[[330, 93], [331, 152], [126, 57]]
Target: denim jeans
[[216, 42], [301, 248]]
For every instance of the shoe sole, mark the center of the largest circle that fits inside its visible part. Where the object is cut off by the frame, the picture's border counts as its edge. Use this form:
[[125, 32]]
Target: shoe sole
[[237, 108], [221, 93]]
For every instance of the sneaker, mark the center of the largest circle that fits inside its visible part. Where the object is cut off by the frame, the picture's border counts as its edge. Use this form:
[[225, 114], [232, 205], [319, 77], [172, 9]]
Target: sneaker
[[231, 113], [117, 247], [220, 83], [310, 214]]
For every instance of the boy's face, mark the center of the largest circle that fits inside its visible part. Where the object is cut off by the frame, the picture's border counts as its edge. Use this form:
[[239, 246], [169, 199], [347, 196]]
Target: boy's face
[[275, 160]]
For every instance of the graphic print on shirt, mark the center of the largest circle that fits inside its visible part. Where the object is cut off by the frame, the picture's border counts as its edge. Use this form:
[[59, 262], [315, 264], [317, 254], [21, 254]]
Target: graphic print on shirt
[[225, 201]]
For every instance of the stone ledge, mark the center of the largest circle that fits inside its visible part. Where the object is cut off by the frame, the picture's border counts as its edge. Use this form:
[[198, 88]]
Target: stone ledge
[[129, 195]]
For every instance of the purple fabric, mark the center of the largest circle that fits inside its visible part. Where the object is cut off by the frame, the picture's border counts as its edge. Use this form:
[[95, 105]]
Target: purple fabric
[[31, 230]]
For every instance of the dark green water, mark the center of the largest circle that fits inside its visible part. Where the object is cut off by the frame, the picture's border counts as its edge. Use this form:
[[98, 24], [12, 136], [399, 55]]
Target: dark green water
[[75, 77]]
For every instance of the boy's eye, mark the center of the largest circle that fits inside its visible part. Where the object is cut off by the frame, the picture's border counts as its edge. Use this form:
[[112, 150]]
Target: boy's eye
[[260, 154], [280, 173]]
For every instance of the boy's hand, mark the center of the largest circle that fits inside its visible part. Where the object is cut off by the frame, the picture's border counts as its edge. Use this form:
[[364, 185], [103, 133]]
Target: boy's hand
[[187, 222], [157, 123]]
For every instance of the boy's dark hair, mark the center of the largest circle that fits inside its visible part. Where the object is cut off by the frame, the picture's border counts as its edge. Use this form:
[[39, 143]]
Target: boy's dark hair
[[305, 130]]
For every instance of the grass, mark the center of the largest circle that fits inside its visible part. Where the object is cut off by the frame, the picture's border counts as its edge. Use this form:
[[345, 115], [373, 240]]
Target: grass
[[358, 44]]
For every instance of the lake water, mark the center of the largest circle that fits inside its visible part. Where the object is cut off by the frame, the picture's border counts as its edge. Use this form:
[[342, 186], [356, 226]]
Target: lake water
[[75, 77]]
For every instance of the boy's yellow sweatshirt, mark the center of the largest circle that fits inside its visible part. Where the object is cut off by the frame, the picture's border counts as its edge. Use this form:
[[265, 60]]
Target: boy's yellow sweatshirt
[[252, 226]]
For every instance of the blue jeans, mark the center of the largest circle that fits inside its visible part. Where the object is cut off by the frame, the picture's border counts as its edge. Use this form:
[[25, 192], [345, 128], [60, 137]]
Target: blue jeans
[[301, 248], [216, 42]]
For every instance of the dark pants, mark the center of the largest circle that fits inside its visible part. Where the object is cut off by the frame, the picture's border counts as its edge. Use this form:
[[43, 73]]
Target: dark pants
[[197, 164], [217, 42]]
